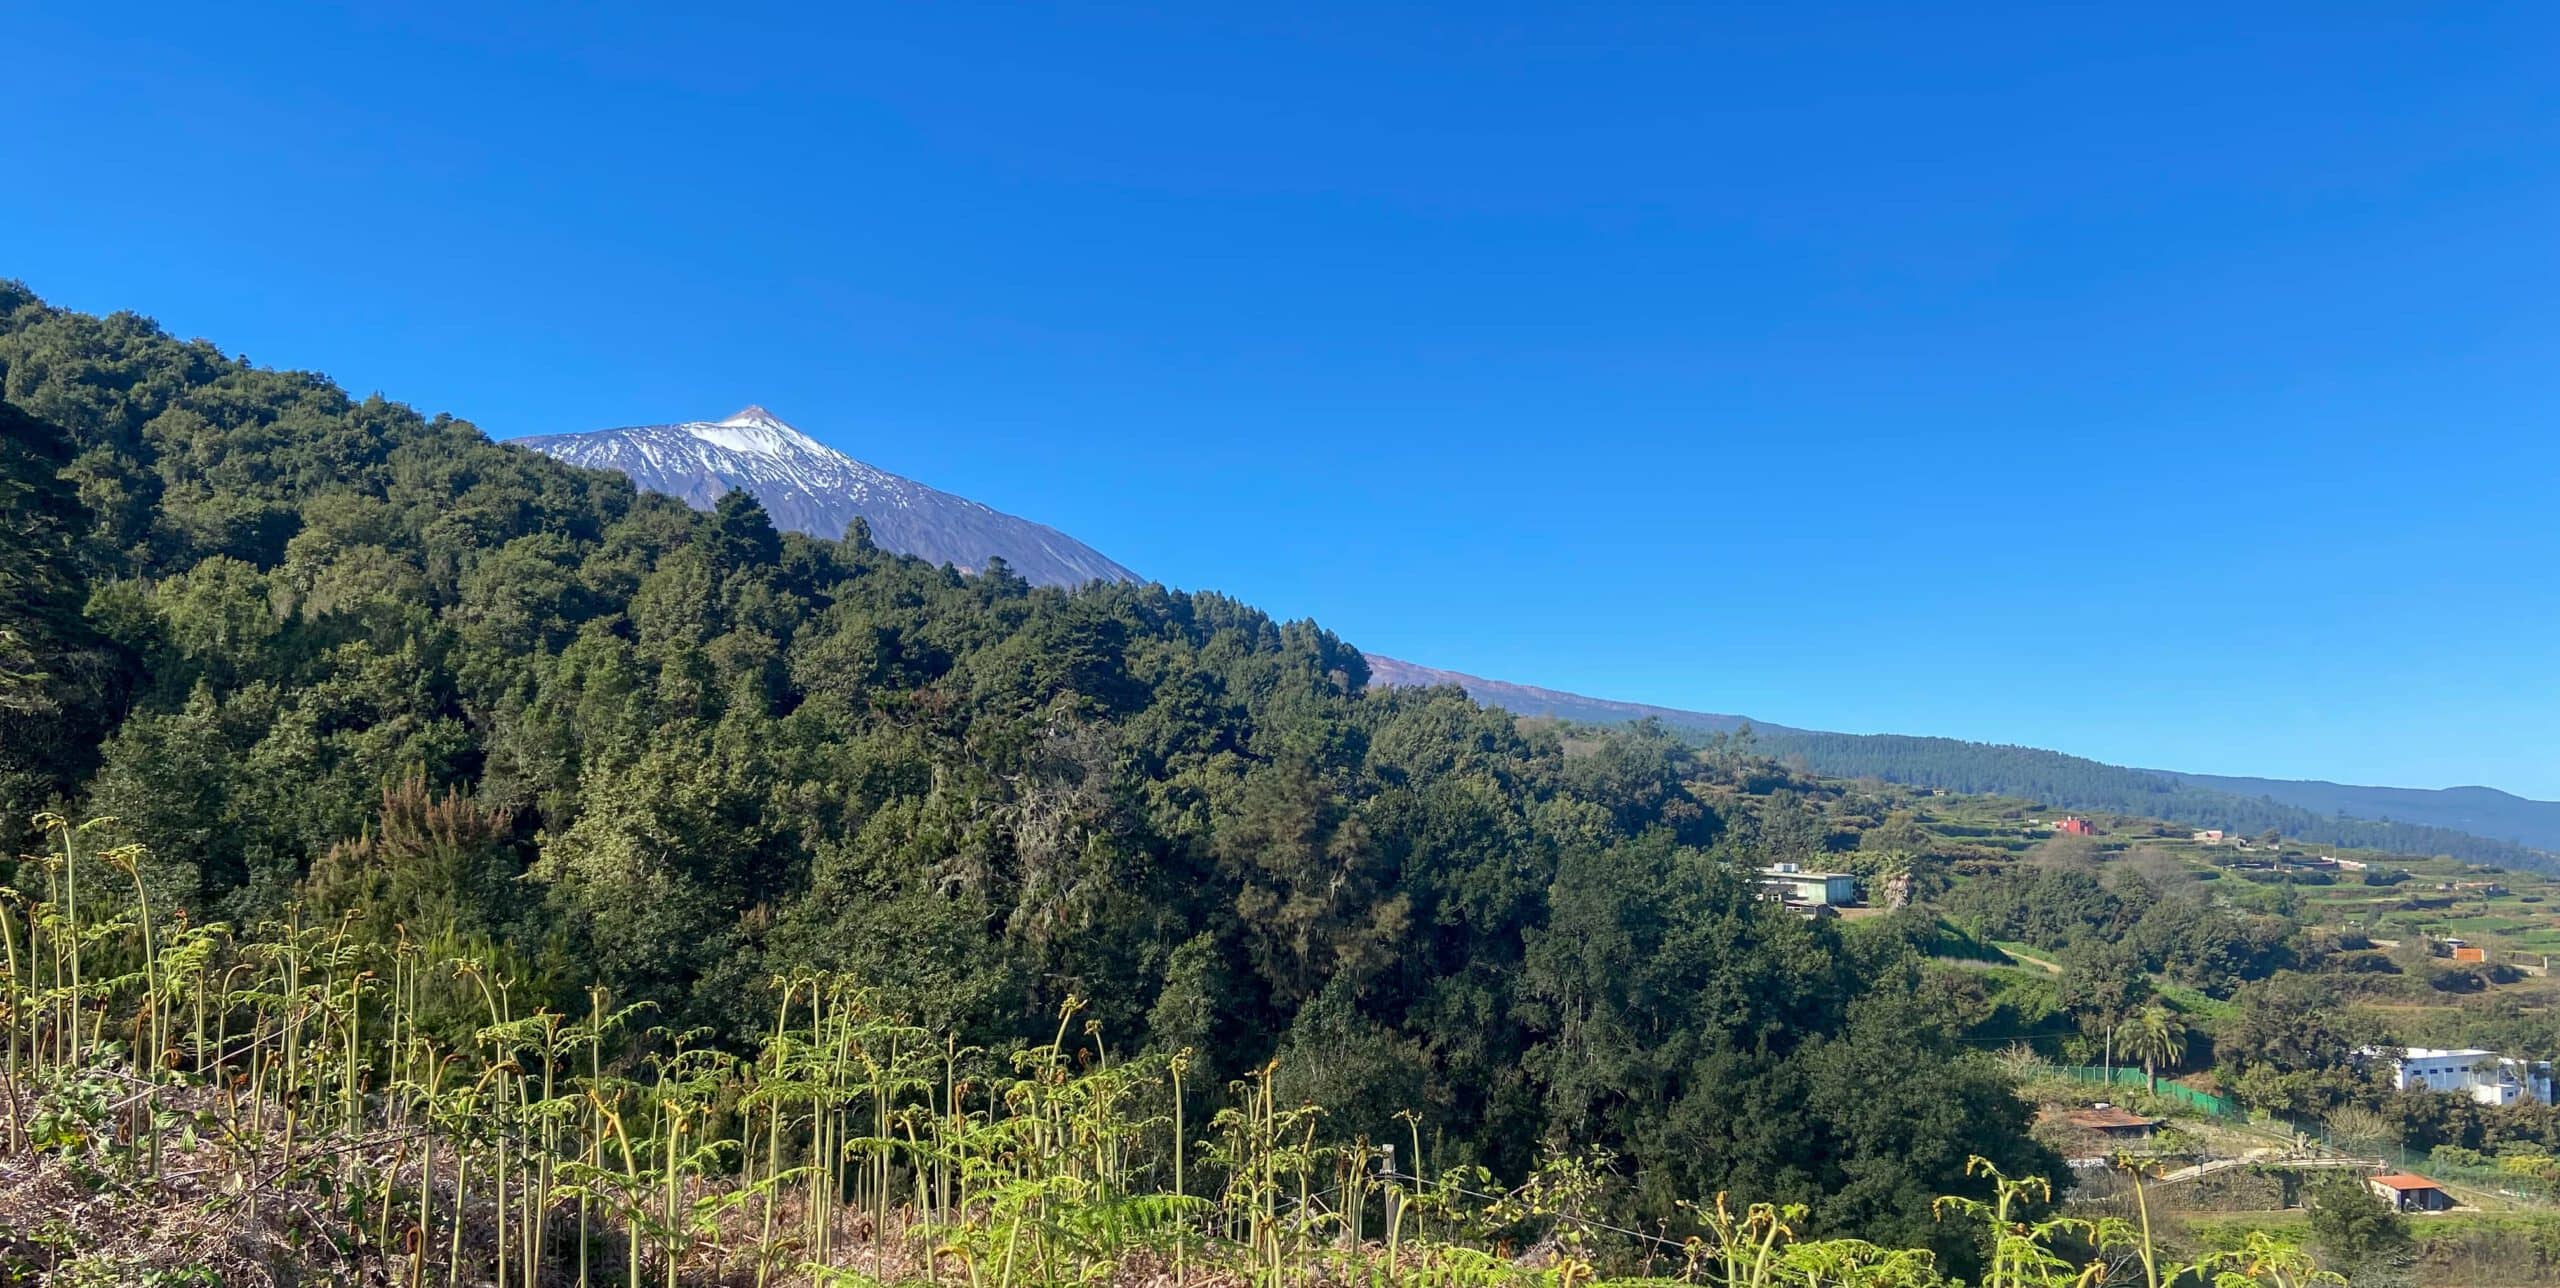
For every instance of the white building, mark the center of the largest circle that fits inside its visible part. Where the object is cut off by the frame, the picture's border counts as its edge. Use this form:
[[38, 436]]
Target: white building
[[2485, 1076], [1831, 888]]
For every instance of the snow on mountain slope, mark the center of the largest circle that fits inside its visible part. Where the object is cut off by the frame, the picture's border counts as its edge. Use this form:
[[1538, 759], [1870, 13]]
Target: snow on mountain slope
[[810, 487]]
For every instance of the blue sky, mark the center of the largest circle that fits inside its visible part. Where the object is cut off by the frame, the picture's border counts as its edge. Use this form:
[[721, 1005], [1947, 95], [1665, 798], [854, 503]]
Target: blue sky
[[2151, 383]]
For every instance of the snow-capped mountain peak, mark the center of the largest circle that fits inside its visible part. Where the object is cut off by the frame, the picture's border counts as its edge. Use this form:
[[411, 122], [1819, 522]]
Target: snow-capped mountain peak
[[810, 487], [756, 431]]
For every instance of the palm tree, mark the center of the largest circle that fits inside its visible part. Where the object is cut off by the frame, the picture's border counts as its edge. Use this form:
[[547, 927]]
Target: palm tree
[[2155, 1036]]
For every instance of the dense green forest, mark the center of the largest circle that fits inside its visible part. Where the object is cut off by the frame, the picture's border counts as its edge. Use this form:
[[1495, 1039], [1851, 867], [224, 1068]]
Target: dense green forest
[[2072, 782], [325, 656]]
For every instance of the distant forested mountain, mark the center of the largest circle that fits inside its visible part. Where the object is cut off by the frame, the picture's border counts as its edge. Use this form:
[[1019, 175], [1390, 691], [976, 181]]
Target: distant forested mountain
[[2075, 782], [2482, 811], [2319, 813]]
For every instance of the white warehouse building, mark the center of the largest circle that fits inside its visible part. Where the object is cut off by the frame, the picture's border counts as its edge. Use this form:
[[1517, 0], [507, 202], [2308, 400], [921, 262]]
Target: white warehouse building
[[1818, 888], [2485, 1076]]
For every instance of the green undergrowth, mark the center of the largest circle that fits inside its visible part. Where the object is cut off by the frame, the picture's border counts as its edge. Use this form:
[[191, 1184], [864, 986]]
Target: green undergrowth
[[194, 1103]]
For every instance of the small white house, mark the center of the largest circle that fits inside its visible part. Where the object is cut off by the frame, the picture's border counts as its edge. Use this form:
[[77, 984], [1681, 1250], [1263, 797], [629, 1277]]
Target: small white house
[[1820, 888], [2485, 1076]]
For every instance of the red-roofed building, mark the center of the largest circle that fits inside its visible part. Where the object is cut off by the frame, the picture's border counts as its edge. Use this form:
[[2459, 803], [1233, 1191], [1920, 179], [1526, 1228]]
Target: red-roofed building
[[2409, 1192], [2076, 826]]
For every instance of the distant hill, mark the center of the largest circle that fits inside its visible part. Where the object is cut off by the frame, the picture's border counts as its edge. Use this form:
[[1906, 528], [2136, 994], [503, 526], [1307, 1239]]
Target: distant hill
[[2400, 820], [810, 487], [2485, 811], [2076, 782]]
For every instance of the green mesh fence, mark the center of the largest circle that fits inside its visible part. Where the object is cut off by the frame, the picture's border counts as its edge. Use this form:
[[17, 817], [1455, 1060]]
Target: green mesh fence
[[2203, 1102], [2508, 1185]]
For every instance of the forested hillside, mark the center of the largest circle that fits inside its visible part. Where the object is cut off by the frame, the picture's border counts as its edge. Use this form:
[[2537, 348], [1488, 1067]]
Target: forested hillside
[[2471, 823], [2481, 811], [335, 658], [2072, 782]]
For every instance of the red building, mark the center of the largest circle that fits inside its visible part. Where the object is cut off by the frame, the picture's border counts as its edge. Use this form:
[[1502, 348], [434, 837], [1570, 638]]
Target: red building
[[2076, 826], [2410, 1193]]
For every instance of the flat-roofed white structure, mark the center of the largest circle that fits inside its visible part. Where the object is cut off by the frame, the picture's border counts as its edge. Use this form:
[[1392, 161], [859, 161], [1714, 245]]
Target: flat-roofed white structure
[[2485, 1076], [1818, 888]]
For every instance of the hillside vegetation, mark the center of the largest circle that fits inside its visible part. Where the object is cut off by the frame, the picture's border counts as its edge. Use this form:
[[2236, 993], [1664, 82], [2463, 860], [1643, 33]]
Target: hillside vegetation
[[2466, 823], [337, 664], [2077, 783], [2481, 811], [183, 1105]]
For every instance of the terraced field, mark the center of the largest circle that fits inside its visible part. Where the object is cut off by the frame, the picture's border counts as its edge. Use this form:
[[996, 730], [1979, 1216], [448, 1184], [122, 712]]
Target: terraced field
[[2518, 912]]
